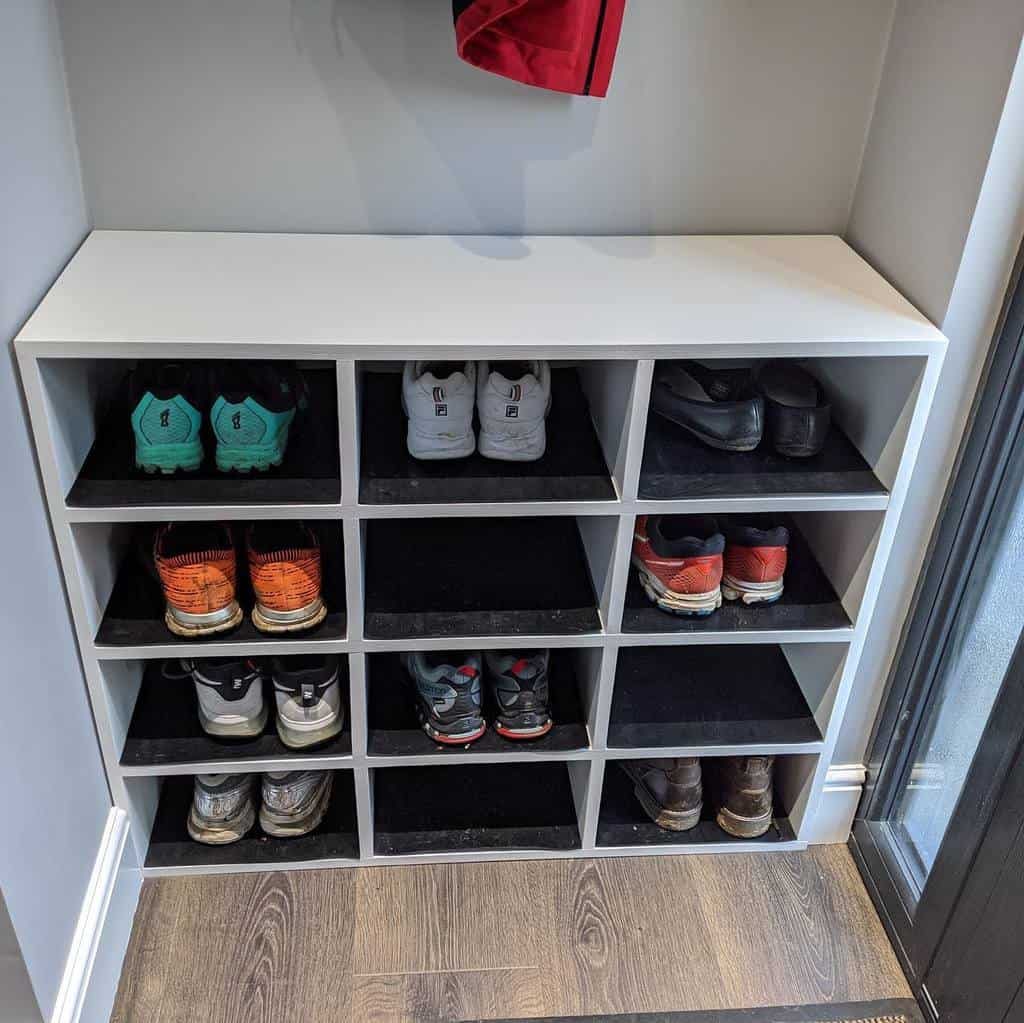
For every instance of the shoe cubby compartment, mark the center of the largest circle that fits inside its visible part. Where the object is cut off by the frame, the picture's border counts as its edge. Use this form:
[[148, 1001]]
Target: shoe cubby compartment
[[869, 400], [623, 823], [164, 731], [394, 728], [710, 695], [452, 808], [90, 413], [828, 558], [171, 846], [585, 430], [485, 576], [126, 602]]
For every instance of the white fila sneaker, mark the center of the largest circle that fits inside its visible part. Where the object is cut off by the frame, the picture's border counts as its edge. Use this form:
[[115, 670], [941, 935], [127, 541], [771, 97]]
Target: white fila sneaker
[[438, 399], [512, 400]]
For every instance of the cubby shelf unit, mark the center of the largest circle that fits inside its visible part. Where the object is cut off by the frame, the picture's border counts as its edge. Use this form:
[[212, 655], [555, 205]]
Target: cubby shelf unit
[[516, 555]]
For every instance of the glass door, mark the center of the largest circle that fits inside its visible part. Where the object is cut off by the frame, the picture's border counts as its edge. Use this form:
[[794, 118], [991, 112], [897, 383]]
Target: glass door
[[973, 668], [948, 753]]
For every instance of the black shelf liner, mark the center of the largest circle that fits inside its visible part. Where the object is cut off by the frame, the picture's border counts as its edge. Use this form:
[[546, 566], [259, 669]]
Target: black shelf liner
[[677, 465], [477, 577], [572, 467], [395, 730], [808, 600], [135, 611], [456, 808], [309, 474], [698, 695], [165, 727], [622, 820], [171, 846]]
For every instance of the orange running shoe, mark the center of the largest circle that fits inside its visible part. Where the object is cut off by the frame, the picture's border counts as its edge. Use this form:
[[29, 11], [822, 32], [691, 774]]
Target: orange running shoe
[[196, 565], [679, 561], [755, 561], [284, 565]]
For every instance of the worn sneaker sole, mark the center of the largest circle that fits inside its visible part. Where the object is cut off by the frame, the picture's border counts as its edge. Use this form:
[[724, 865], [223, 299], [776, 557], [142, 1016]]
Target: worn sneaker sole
[[671, 820], [221, 832], [249, 459], [530, 732], [430, 447], [526, 446], [295, 738], [306, 617], [280, 825], [689, 604], [181, 623], [749, 592], [244, 729], [168, 458], [743, 827], [450, 738]]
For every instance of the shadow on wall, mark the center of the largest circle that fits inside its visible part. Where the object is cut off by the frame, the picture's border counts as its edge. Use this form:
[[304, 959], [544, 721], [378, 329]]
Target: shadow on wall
[[409, 46]]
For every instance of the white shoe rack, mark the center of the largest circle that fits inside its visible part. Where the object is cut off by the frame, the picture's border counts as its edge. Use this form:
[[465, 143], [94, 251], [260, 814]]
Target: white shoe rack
[[488, 556]]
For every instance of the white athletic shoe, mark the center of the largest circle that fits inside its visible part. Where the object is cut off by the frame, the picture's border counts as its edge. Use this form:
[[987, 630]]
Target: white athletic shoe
[[438, 399], [512, 400]]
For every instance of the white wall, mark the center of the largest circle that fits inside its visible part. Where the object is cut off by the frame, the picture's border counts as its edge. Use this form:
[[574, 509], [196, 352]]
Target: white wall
[[940, 211], [55, 797], [356, 115]]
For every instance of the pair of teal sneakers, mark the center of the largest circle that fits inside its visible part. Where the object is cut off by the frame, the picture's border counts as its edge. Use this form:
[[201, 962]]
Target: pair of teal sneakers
[[252, 409]]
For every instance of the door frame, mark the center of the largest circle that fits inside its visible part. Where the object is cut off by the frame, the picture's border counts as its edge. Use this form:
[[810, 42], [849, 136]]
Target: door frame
[[916, 919]]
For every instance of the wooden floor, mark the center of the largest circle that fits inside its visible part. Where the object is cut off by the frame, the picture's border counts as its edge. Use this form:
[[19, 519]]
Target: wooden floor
[[489, 940]]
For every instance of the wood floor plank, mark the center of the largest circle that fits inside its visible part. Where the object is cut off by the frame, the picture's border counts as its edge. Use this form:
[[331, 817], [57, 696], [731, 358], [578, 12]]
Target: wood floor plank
[[247, 947], [519, 939], [140, 989], [445, 917], [436, 997], [870, 967]]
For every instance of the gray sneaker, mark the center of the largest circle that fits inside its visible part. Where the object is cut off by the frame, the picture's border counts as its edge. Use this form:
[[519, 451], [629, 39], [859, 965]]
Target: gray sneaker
[[230, 694], [294, 802], [309, 707], [448, 694], [669, 790], [222, 808], [518, 683]]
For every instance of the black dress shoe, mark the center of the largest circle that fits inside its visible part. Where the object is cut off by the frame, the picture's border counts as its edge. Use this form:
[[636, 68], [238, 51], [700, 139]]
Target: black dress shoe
[[797, 412], [719, 408]]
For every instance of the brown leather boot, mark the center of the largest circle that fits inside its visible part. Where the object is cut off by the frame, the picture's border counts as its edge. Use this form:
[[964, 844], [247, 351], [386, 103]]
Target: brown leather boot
[[745, 809], [669, 790]]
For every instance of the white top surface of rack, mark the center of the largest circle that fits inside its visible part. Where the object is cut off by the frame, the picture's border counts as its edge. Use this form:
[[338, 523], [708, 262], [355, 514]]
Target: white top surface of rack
[[390, 296]]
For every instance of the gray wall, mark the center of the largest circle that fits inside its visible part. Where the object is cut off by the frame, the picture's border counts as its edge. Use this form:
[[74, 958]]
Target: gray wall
[[55, 797], [17, 1004], [356, 115], [940, 211]]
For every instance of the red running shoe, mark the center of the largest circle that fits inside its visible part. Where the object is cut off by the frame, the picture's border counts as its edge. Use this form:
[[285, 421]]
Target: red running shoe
[[679, 561], [755, 560]]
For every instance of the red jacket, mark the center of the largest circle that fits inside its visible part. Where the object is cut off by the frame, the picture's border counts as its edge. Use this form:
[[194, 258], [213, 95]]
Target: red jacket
[[566, 45]]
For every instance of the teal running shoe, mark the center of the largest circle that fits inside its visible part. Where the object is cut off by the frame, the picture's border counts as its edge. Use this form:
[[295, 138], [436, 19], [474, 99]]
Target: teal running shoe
[[165, 400], [253, 413]]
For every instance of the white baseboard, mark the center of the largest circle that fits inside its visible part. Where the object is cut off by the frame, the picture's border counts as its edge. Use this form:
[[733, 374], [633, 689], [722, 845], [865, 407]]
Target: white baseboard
[[93, 967], [844, 784]]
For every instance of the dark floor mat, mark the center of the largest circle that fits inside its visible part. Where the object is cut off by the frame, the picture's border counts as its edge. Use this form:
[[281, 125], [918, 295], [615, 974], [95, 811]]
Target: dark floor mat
[[477, 576], [887, 1010]]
